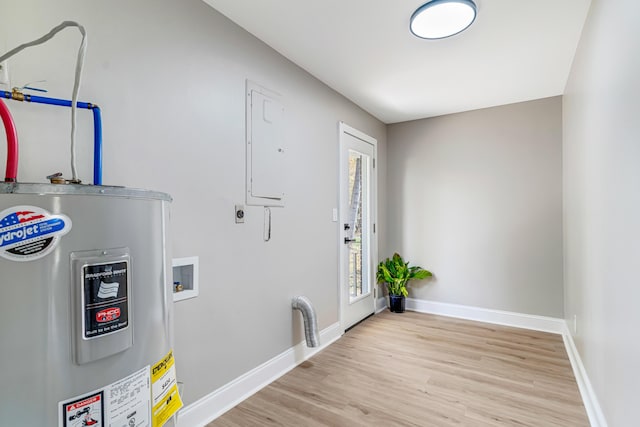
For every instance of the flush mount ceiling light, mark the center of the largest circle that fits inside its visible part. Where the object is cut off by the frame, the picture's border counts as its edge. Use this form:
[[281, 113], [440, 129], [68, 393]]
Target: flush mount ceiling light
[[439, 19]]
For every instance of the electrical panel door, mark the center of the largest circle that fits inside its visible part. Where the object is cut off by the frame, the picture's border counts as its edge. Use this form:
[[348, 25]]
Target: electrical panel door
[[265, 149]]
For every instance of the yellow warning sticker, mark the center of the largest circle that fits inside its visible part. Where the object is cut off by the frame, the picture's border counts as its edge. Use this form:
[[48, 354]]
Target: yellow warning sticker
[[164, 391]]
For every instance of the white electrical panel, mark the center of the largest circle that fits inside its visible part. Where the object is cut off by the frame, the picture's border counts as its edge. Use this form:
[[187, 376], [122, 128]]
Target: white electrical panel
[[265, 147]]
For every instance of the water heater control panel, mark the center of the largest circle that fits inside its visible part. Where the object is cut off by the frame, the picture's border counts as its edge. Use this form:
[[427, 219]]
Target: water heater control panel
[[101, 299]]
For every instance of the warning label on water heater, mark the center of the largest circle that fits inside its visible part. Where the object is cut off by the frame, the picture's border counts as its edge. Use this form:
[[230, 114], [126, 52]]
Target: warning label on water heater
[[124, 403], [84, 411], [165, 398], [28, 233], [105, 298]]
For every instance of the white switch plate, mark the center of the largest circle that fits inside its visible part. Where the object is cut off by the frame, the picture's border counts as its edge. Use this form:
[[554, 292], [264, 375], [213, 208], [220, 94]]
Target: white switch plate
[[335, 214]]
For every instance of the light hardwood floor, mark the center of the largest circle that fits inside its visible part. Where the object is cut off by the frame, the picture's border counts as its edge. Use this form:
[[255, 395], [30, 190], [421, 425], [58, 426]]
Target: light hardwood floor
[[414, 369]]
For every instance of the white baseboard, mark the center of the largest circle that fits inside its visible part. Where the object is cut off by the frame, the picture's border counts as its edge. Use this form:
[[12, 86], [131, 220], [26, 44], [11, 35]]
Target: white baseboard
[[381, 304], [507, 318], [591, 404], [211, 406]]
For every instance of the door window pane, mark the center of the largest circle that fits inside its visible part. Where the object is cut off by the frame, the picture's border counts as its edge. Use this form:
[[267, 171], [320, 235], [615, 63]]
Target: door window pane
[[358, 277]]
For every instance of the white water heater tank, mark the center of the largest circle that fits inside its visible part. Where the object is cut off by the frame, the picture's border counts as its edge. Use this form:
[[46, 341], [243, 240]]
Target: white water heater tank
[[86, 307]]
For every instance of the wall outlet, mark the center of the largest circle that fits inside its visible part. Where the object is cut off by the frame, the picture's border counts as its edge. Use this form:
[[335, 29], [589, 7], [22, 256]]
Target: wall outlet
[[239, 214], [575, 324], [4, 74]]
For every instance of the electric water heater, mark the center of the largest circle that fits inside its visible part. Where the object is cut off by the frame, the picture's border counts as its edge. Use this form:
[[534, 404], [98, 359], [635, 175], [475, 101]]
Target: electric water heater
[[86, 307]]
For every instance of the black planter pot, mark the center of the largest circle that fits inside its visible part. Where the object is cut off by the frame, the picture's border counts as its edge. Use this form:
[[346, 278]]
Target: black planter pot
[[396, 303]]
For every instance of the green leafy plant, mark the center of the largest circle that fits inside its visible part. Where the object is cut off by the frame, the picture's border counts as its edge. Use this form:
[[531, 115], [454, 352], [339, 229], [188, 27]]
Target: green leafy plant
[[396, 274]]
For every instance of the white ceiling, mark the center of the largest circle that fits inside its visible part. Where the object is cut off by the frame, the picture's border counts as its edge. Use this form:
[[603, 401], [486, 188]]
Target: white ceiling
[[516, 50]]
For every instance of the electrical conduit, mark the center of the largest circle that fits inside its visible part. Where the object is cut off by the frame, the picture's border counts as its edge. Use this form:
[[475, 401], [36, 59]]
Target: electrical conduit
[[76, 84], [12, 143]]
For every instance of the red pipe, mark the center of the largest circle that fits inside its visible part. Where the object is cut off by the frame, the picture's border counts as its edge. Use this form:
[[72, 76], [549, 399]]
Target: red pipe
[[12, 143]]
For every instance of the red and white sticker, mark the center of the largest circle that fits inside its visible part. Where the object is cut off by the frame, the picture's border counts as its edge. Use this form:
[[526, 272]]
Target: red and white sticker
[[107, 315], [85, 411], [28, 233]]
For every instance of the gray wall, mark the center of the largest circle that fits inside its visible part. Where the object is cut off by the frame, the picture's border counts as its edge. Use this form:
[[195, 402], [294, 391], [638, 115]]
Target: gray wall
[[170, 78], [602, 205], [476, 198]]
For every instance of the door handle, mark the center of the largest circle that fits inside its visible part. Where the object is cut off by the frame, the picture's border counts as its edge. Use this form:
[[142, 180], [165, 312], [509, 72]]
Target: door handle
[[348, 240]]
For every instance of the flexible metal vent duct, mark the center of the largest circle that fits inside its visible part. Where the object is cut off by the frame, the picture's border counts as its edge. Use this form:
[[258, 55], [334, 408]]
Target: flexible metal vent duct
[[310, 321]]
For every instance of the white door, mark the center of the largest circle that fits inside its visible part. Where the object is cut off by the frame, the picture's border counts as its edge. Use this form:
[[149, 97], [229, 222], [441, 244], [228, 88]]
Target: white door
[[358, 245]]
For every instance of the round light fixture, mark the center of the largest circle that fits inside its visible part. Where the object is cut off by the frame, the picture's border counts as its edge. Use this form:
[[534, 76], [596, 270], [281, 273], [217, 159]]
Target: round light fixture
[[439, 19]]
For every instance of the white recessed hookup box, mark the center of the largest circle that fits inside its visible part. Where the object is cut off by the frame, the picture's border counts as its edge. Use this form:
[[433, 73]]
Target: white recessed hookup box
[[185, 278]]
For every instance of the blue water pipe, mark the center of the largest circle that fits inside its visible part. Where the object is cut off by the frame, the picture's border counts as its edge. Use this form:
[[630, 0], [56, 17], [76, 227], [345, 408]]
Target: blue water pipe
[[97, 123], [97, 146]]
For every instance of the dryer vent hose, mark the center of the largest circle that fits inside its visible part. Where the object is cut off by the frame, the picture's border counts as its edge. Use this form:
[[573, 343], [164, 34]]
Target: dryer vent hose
[[310, 321]]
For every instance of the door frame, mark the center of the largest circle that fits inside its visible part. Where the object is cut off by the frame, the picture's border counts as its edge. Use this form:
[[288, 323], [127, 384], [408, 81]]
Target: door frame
[[345, 129]]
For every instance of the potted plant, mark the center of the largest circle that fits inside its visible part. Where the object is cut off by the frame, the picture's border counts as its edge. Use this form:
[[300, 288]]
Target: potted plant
[[396, 274]]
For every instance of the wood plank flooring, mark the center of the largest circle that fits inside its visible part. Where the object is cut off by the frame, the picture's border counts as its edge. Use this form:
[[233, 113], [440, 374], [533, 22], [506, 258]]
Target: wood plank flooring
[[414, 369]]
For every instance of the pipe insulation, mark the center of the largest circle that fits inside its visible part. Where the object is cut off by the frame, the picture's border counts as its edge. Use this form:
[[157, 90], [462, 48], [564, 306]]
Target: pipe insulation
[[311, 334], [11, 173]]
